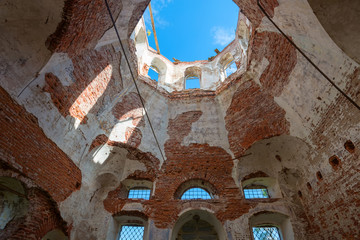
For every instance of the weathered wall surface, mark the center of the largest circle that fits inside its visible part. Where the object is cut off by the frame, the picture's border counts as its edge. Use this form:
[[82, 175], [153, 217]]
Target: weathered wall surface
[[78, 130]]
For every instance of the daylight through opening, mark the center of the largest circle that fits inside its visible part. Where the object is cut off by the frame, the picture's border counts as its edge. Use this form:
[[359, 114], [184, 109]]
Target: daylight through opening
[[195, 193]]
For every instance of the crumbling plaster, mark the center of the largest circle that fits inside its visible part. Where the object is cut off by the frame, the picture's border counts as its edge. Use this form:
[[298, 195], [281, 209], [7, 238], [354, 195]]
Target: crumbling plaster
[[319, 122]]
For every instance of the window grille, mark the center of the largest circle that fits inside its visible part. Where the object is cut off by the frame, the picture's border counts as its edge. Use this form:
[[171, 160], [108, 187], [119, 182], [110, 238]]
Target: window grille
[[266, 233], [131, 232], [139, 193], [195, 193], [256, 193]]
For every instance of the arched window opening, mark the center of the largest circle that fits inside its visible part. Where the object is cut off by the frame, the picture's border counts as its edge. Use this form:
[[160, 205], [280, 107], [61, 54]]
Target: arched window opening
[[55, 234], [195, 193], [153, 73], [192, 77], [266, 232], [230, 68], [131, 225], [227, 65], [136, 189], [139, 193], [256, 192], [270, 225], [198, 224], [13, 201], [192, 82], [197, 228], [133, 232]]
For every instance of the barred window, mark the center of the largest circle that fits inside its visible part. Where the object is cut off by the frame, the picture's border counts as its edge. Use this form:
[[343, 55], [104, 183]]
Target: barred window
[[129, 232], [139, 193], [266, 233], [195, 193], [256, 193]]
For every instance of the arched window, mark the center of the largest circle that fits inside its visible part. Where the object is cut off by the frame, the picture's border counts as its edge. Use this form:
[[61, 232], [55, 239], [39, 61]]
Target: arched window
[[139, 193], [256, 191], [192, 77], [266, 232], [198, 224], [132, 225], [195, 193]]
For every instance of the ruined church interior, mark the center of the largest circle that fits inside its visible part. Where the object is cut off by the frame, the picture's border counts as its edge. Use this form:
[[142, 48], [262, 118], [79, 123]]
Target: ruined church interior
[[93, 148]]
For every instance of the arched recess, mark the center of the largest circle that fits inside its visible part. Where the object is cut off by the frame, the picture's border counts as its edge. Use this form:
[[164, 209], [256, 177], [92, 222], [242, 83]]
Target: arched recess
[[25, 27], [13, 202], [55, 234], [274, 219], [269, 183], [202, 217], [340, 19]]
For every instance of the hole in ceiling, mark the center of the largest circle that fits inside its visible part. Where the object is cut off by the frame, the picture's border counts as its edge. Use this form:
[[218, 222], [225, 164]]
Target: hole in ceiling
[[190, 30]]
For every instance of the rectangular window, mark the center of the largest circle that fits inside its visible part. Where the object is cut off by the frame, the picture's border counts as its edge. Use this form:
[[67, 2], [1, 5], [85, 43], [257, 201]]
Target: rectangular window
[[265, 233], [192, 82], [131, 233], [139, 193], [256, 193]]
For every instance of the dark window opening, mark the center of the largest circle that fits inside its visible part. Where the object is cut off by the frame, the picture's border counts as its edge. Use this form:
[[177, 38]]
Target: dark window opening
[[256, 193], [195, 193], [128, 232], [139, 193], [192, 82], [153, 74], [266, 232]]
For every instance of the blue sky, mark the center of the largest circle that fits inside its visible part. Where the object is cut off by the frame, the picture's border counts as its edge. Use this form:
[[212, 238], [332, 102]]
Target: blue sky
[[190, 30]]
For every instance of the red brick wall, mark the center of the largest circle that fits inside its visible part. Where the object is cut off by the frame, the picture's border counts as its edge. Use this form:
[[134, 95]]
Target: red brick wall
[[333, 203], [94, 79], [25, 147], [84, 22]]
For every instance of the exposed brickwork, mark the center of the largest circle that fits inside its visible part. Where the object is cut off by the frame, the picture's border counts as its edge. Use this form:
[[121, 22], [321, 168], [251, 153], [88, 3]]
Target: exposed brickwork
[[94, 79], [41, 218], [196, 161], [333, 205], [25, 147], [281, 56], [252, 11], [136, 15], [129, 107], [84, 22], [252, 116]]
